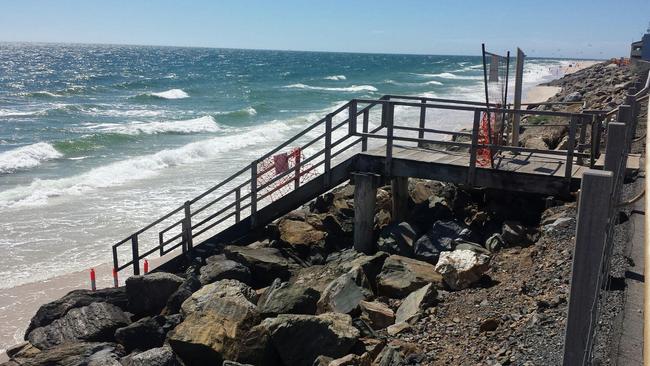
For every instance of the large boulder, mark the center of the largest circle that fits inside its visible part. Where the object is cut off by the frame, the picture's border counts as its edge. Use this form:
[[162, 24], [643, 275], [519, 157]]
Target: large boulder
[[285, 298], [461, 268], [148, 294], [49, 312], [415, 302], [401, 275], [96, 322], [319, 277], [265, 264], [344, 293], [300, 339], [256, 348], [213, 328], [376, 314], [74, 354], [212, 292], [397, 239], [220, 268], [160, 356], [303, 237], [185, 290], [146, 333], [443, 236]]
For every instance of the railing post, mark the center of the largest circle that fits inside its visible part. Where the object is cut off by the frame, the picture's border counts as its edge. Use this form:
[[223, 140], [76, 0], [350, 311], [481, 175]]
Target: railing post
[[582, 138], [471, 174], [570, 147], [390, 113], [296, 168], [591, 232], [423, 116], [135, 253], [188, 225], [352, 118], [364, 139], [115, 259], [237, 205], [615, 149], [253, 194], [328, 148]]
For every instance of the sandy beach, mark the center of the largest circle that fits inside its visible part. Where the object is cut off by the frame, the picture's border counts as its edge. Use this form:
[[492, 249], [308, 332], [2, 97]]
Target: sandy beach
[[541, 93]]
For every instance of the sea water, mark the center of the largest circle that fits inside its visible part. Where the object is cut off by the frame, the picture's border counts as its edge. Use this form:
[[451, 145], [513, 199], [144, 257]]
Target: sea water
[[96, 141]]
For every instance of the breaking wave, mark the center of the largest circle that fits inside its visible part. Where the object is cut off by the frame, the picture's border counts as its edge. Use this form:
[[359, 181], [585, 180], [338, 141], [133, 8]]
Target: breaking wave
[[26, 157], [170, 94], [141, 167], [196, 125]]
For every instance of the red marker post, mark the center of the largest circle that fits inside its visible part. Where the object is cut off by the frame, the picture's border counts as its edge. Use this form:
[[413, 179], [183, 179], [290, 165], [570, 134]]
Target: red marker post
[[146, 266], [93, 285], [115, 280]]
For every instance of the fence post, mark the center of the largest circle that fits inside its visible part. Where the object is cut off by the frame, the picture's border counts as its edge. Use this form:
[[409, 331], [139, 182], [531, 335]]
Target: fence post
[[135, 253], [616, 138], [188, 225], [471, 173], [365, 194], [389, 139], [364, 139], [591, 229], [519, 75], [570, 147], [423, 116], [328, 148], [253, 194], [352, 118]]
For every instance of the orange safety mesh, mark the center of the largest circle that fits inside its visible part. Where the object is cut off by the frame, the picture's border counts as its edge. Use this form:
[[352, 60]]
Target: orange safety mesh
[[270, 179], [484, 155]]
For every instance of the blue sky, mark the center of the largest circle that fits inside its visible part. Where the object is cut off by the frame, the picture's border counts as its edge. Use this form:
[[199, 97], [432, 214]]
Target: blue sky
[[569, 28]]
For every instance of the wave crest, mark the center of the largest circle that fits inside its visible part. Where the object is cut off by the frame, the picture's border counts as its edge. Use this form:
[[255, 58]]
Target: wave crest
[[171, 94], [353, 88], [196, 125], [449, 75], [26, 157], [335, 77]]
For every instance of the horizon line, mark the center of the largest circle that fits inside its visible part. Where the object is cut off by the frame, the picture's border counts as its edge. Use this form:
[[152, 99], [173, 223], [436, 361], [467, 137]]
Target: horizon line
[[277, 50]]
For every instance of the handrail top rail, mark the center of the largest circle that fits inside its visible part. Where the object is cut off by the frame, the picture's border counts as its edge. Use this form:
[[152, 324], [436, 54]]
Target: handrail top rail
[[471, 109]]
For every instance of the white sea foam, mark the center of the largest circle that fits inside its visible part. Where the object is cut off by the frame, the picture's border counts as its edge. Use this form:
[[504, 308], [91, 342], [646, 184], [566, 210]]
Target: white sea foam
[[14, 113], [449, 75], [433, 82], [336, 77], [171, 94], [26, 157], [353, 88], [141, 167], [196, 125], [251, 111]]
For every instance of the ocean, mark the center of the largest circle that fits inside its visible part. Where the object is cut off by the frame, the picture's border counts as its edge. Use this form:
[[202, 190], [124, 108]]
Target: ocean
[[98, 140]]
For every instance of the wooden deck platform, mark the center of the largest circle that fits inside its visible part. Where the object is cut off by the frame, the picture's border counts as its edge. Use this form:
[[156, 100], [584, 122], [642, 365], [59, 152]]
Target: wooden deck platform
[[539, 173]]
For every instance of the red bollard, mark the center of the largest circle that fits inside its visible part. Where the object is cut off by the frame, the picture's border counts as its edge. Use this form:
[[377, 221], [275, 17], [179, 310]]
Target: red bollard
[[146, 266], [92, 280], [115, 280]]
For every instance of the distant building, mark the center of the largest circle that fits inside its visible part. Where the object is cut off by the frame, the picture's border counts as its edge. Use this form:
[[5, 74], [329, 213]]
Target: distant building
[[640, 50]]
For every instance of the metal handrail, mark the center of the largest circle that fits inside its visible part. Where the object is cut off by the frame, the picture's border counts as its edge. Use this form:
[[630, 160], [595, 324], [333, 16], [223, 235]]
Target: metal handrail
[[249, 200]]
